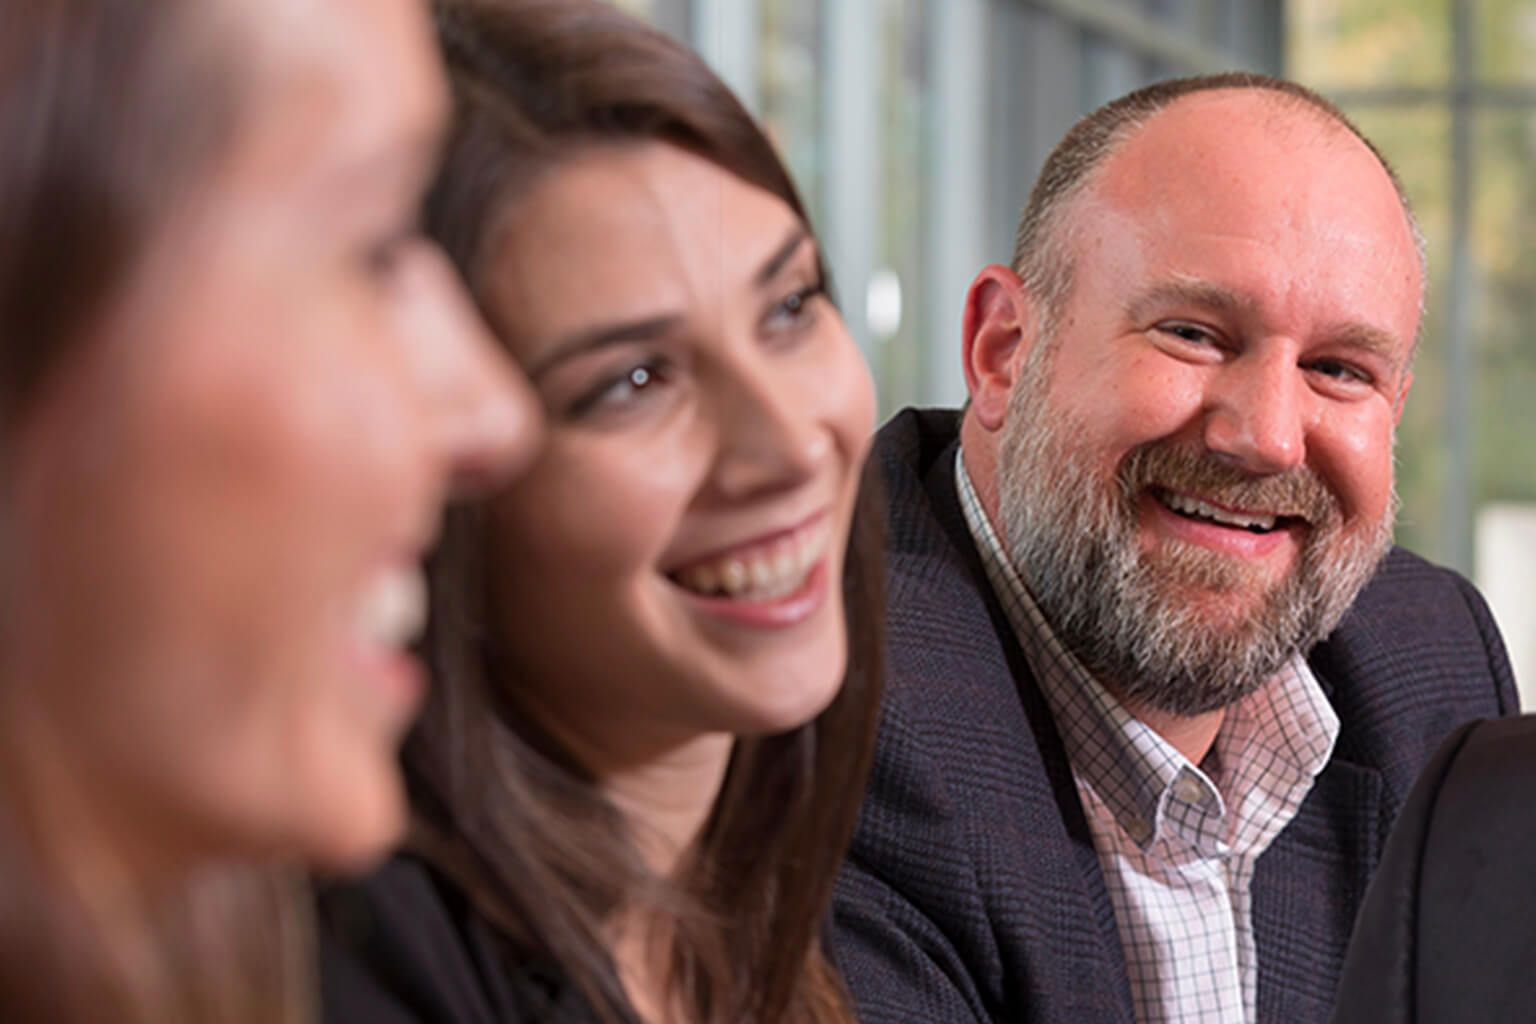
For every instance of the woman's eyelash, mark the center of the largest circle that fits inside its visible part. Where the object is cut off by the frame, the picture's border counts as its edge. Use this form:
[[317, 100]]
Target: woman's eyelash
[[623, 386], [797, 303], [639, 377], [797, 300]]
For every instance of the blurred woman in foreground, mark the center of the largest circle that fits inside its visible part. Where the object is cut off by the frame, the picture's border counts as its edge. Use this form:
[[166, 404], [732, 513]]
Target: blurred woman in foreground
[[657, 656], [234, 389]]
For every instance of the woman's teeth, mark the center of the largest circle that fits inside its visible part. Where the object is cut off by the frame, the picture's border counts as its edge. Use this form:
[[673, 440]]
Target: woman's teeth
[[761, 573], [393, 610], [1188, 506]]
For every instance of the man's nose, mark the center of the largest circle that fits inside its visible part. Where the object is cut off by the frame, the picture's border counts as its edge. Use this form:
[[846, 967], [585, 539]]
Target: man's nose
[[1257, 413]]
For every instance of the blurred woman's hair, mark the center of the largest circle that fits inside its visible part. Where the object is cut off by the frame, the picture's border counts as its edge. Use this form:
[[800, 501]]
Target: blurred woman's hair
[[501, 807], [109, 110]]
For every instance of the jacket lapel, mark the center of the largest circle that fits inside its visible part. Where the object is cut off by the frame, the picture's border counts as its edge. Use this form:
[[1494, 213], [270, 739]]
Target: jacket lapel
[[1308, 885], [1108, 973]]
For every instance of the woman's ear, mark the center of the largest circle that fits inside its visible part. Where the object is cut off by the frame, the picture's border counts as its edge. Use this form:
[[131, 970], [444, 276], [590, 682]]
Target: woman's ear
[[997, 334]]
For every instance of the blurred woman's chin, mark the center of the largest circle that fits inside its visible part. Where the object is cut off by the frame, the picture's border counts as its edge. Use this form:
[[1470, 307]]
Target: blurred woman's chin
[[361, 830]]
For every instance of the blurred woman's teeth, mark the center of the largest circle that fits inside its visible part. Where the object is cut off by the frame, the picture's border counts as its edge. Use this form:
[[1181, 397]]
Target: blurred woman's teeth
[[394, 608], [762, 573]]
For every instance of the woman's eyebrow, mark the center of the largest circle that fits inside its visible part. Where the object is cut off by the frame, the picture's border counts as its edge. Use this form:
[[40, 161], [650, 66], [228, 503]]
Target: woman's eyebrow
[[775, 263], [604, 336], [608, 335]]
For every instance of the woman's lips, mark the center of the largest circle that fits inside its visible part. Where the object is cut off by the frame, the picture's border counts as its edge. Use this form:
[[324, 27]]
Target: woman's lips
[[775, 582], [392, 609], [762, 571], [785, 609], [387, 617]]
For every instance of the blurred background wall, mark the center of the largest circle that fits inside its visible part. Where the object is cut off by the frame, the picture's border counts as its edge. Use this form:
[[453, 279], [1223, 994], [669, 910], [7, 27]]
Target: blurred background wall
[[915, 128]]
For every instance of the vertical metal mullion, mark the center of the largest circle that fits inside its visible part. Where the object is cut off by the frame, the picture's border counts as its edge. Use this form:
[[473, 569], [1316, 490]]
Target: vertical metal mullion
[[1036, 60], [728, 33], [850, 143], [953, 221], [674, 17], [1457, 507], [1268, 49]]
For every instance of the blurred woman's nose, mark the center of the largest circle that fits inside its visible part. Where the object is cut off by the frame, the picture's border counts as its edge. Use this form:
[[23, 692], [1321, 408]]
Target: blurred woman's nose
[[485, 421]]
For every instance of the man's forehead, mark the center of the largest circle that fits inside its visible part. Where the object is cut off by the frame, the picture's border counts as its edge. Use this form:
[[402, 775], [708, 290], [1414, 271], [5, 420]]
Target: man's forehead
[[1212, 179], [1225, 140]]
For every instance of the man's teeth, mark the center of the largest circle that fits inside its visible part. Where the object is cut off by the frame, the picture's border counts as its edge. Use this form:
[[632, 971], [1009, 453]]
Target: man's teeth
[[393, 610], [1195, 507], [763, 573]]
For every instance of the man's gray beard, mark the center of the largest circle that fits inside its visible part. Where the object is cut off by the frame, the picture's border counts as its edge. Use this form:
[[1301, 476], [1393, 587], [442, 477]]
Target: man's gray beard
[[1073, 539]]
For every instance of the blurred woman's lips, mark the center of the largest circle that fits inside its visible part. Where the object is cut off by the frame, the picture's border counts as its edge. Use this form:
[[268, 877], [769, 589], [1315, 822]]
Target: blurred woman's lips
[[392, 609], [389, 614]]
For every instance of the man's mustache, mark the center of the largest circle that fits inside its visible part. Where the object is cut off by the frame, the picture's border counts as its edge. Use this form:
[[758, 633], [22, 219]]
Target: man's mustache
[[1297, 493]]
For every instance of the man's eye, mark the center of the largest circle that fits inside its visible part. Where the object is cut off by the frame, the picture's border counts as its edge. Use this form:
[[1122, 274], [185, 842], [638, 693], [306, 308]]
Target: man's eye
[[1341, 371], [1187, 332]]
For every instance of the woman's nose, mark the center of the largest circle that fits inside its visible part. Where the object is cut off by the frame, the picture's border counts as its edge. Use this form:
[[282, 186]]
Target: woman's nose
[[485, 422], [770, 437]]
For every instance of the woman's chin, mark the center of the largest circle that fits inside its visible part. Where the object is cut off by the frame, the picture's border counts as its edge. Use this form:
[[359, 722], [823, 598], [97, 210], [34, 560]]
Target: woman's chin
[[784, 707], [358, 836]]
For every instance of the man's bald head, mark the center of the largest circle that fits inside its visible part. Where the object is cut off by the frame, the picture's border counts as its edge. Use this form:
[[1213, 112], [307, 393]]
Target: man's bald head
[[1043, 256]]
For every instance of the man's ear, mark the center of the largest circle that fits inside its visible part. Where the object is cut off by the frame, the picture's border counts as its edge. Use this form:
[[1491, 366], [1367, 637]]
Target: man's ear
[[996, 336]]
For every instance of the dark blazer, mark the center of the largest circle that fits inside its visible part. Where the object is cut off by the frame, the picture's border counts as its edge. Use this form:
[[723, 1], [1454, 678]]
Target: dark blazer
[[973, 891], [1448, 931]]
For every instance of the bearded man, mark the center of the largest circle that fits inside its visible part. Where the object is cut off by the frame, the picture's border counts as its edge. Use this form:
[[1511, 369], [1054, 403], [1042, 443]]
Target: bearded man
[[1159, 682]]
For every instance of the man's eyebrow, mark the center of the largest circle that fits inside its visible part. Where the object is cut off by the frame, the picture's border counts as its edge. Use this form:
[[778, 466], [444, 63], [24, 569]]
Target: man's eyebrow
[[1371, 340], [604, 336], [1188, 293], [798, 235]]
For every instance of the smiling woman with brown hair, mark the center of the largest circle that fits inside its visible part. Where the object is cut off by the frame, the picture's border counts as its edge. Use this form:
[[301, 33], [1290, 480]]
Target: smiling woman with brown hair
[[657, 657], [236, 388]]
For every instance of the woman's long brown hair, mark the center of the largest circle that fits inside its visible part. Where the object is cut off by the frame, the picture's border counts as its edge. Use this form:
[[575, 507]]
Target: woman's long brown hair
[[107, 109], [501, 807]]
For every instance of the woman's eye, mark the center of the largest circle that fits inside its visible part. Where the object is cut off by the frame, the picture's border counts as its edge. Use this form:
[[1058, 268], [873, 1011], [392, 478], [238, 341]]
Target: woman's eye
[[623, 389], [798, 307]]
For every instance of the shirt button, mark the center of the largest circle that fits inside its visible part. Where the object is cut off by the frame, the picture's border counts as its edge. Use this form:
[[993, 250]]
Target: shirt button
[[1138, 830], [1190, 791]]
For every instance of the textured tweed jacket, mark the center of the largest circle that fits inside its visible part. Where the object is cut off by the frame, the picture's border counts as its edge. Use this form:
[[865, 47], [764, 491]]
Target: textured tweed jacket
[[973, 891]]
